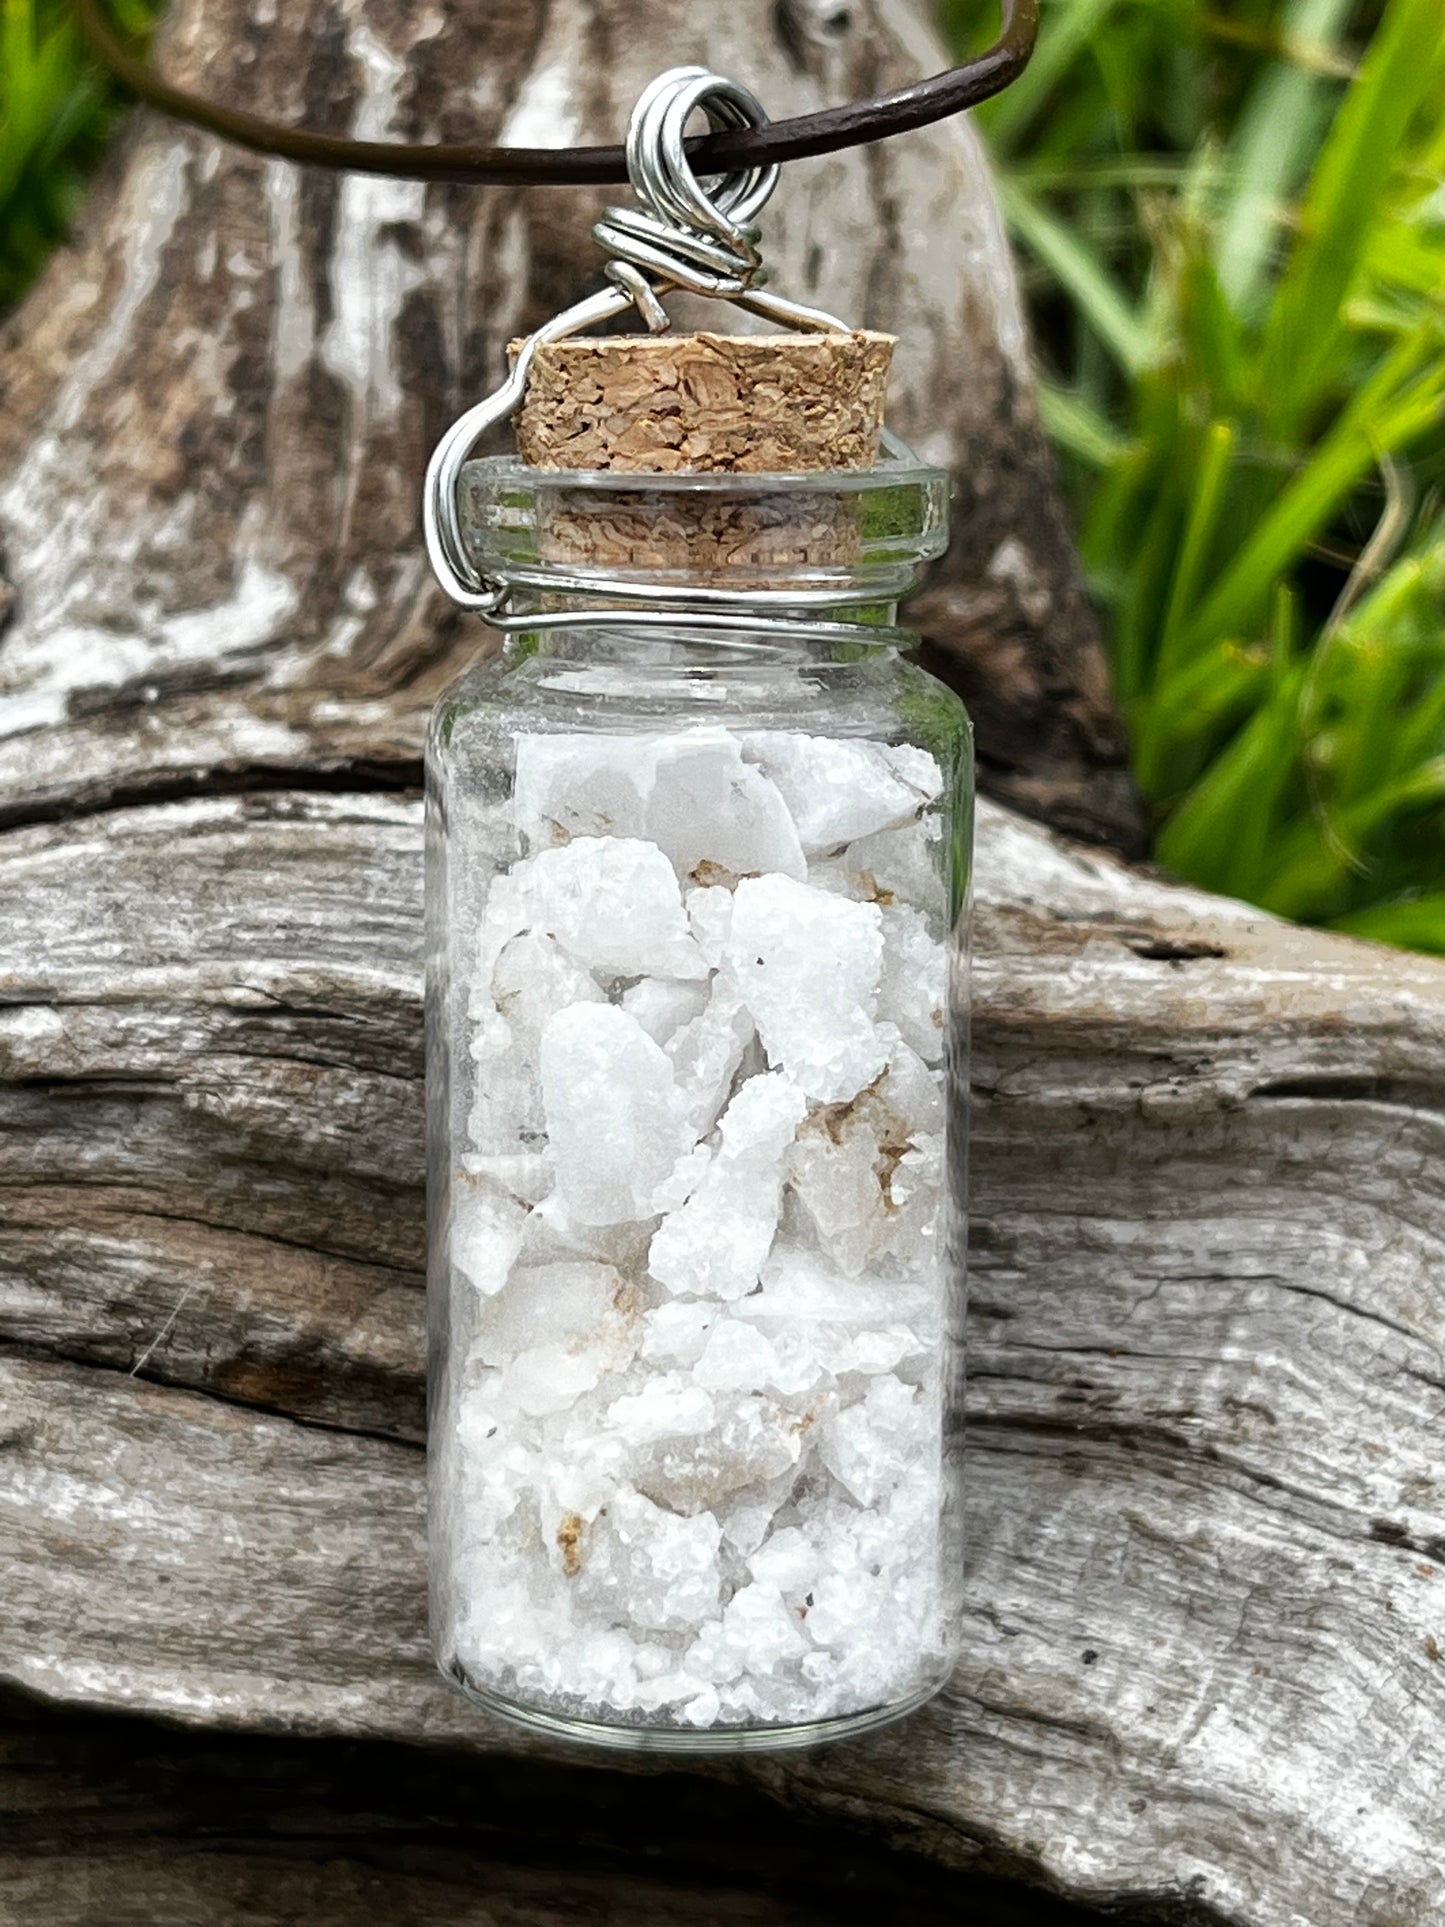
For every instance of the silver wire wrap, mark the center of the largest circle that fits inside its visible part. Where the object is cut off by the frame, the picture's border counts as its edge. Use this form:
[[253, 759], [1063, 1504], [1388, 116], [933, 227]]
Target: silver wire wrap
[[703, 240], [684, 234]]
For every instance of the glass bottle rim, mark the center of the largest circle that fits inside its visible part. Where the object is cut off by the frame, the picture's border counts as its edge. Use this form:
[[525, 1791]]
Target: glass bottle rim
[[835, 537], [895, 466]]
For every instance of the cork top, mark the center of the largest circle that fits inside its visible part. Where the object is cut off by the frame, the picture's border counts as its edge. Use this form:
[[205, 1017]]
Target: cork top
[[706, 403]]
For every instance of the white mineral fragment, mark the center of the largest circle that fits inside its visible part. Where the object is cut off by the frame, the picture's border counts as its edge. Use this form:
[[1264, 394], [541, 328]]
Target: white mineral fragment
[[913, 1091], [807, 965], [736, 1357], [865, 1175], [710, 916], [825, 1328], [711, 810], [616, 1122], [486, 1235], [836, 1180], [663, 1005], [759, 1629], [914, 1191], [668, 1406], [800, 1284], [740, 1356], [707, 1052], [577, 786], [891, 866], [525, 1174], [532, 979], [690, 1465], [552, 1236], [870, 1445], [913, 990], [558, 1330], [788, 1560], [716, 1243], [689, 792], [499, 1461], [575, 1307], [611, 902], [838, 790], [665, 1566], [675, 1331], [506, 1108]]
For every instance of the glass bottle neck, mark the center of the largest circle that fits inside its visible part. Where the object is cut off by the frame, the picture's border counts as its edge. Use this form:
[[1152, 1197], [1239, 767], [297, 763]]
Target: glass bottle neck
[[649, 636]]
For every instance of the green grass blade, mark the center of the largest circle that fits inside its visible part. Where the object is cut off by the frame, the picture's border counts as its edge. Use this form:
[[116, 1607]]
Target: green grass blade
[[1310, 869], [1270, 151], [1303, 509], [1199, 528], [1417, 923], [1344, 200], [1065, 33], [1078, 428], [1097, 295], [1219, 835]]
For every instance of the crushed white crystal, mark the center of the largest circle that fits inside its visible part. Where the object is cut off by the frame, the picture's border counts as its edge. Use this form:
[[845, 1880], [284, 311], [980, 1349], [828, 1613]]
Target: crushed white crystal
[[693, 1451]]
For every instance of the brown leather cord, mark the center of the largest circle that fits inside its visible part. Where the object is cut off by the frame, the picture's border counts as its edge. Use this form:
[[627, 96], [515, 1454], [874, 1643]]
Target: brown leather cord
[[779, 140]]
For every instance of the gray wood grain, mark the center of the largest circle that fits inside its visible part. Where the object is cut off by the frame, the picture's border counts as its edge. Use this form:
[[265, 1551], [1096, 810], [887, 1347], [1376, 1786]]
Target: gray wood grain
[[1208, 1539], [117, 1822]]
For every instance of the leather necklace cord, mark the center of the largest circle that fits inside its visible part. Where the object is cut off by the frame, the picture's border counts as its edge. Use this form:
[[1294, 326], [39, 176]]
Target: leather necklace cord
[[826, 132]]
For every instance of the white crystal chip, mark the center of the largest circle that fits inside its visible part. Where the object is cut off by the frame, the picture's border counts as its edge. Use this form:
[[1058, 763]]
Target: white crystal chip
[[616, 1122], [891, 866], [558, 1330], [611, 902], [690, 793], [715, 1244], [486, 1234], [665, 1566], [807, 965], [913, 989], [839, 790]]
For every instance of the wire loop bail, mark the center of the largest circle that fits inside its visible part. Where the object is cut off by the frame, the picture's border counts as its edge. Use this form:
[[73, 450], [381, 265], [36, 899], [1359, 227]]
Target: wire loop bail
[[686, 233], [701, 237]]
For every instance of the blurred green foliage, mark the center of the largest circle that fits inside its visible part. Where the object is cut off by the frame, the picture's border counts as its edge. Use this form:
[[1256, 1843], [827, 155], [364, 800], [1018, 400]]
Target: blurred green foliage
[[1233, 229], [55, 110]]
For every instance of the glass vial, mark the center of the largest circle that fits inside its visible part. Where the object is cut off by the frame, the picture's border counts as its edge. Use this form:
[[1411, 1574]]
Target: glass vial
[[696, 1001]]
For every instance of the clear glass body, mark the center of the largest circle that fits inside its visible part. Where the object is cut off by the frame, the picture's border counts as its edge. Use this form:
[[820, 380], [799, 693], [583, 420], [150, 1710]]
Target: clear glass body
[[697, 1033]]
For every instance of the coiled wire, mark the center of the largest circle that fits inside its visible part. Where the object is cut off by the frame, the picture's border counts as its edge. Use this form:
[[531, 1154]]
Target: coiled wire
[[701, 238], [684, 233]]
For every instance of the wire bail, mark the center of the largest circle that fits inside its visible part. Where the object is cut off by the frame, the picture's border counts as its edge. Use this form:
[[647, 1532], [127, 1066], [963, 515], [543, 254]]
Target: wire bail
[[704, 242], [690, 234]]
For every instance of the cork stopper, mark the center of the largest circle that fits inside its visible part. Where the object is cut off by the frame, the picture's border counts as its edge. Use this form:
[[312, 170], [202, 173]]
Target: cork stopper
[[705, 404], [740, 404]]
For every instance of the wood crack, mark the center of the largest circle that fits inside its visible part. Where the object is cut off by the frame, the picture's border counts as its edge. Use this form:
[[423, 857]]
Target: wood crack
[[59, 1355], [361, 776], [1424, 1099]]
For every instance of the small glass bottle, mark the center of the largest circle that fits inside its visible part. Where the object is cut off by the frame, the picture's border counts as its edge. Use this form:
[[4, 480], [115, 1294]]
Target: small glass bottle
[[698, 872]]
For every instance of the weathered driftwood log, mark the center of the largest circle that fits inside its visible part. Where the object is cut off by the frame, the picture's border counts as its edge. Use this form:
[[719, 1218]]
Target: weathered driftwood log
[[1203, 1678], [1208, 1536]]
